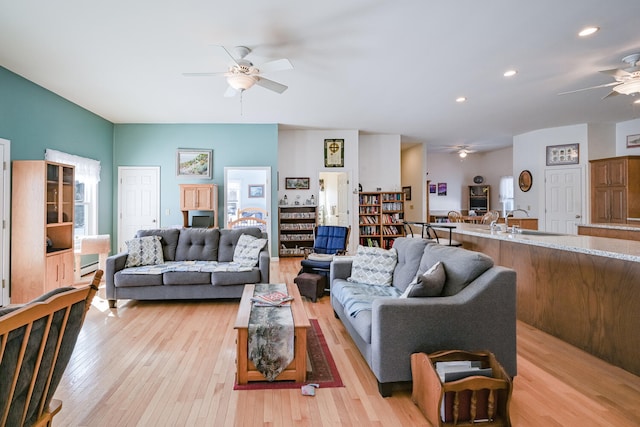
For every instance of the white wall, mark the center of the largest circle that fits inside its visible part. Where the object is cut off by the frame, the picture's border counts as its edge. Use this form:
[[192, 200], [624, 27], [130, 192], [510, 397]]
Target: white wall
[[459, 173], [624, 129], [379, 162], [301, 154], [529, 152]]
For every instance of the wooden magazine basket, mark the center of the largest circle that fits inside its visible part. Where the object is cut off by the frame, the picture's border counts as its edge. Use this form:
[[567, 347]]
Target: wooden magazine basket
[[471, 401]]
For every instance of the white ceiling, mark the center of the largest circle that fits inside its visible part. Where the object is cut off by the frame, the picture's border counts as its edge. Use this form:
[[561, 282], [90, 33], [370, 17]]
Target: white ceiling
[[389, 67]]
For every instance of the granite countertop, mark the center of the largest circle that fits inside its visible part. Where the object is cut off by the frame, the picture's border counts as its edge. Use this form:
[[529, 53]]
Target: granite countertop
[[627, 250], [627, 227]]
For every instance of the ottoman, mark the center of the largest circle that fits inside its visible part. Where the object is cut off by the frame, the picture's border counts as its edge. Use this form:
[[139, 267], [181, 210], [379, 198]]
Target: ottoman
[[311, 285]]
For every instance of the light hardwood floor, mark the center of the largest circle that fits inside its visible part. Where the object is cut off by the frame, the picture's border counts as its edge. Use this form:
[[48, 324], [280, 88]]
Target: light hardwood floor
[[172, 364]]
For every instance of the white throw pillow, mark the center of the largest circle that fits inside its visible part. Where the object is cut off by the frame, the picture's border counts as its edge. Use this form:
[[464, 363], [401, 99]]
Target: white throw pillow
[[247, 251], [373, 266], [429, 284], [144, 251]]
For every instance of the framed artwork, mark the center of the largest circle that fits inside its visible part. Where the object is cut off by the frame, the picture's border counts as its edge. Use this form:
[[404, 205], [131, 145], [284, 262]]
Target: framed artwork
[[407, 193], [567, 154], [432, 189], [334, 153], [633, 141], [194, 163], [256, 191], [442, 189], [296, 183], [525, 180]]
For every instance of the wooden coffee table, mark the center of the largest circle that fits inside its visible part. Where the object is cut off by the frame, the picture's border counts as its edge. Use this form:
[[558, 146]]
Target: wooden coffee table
[[297, 369]]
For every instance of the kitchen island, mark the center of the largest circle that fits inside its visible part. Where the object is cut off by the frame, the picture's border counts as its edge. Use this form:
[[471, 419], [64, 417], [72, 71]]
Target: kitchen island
[[584, 290]]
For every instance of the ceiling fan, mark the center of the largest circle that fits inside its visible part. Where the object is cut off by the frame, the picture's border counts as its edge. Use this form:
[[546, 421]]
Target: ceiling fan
[[243, 74], [627, 80], [462, 150]]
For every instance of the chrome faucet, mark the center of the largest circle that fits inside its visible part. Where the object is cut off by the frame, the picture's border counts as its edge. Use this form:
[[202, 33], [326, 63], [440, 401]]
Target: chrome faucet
[[510, 213]]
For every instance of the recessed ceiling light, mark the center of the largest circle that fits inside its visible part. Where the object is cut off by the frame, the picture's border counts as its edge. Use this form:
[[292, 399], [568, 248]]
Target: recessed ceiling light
[[588, 31], [461, 99], [510, 73]]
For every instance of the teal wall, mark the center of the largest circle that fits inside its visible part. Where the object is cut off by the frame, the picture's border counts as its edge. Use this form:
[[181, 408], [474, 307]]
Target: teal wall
[[34, 119], [232, 145]]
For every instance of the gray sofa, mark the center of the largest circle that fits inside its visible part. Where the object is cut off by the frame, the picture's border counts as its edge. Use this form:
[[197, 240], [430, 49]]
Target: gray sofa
[[476, 310], [198, 264]]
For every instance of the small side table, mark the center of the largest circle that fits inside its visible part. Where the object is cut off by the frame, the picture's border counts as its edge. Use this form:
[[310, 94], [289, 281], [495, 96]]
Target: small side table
[[89, 245]]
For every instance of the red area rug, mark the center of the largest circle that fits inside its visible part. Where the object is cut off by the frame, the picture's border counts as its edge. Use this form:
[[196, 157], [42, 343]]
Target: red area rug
[[323, 368]]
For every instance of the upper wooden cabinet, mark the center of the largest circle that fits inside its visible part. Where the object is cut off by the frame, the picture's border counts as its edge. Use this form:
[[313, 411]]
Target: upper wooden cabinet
[[198, 197], [42, 214], [615, 189]]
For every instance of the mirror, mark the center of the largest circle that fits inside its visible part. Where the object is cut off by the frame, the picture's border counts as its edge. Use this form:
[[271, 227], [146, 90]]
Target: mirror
[[525, 180]]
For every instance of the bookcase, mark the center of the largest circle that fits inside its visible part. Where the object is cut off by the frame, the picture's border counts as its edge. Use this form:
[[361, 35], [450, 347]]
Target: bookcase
[[41, 228], [479, 198], [380, 216], [295, 229]]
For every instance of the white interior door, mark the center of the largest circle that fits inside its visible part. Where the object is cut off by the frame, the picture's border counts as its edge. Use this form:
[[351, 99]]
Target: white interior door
[[563, 200], [5, 191], [138, 201]]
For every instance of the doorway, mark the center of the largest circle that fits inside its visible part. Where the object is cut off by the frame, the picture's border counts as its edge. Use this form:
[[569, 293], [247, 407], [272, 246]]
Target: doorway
[[138, 201], [333, 199], [247, 192]]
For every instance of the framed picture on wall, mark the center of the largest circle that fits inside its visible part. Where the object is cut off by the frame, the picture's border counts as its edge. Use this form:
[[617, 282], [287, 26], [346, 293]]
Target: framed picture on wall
[[407, 193], [633, 141], [432, 189], [334, 153], [256, 191], [296, 183], [442, 189], [567, 154], [194, 163]]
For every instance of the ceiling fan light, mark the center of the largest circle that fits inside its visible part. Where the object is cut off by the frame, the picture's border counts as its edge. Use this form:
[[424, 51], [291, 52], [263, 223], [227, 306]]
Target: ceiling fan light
[[241, 81], [462, 153], [629, 87], [588, 31]]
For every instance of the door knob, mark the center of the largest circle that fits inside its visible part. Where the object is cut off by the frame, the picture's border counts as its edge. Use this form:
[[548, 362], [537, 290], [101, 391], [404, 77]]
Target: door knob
[[578, 216]]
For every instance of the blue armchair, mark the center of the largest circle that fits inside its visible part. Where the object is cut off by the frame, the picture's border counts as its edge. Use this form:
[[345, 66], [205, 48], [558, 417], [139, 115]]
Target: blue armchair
[[328, 240]]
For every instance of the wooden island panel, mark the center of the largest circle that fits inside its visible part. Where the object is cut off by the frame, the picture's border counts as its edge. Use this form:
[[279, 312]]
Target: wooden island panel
[[586, 300]]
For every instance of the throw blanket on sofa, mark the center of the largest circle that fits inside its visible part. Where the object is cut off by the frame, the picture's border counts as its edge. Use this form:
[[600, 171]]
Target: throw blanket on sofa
[[187, 266], [358, 297], [271, 333]]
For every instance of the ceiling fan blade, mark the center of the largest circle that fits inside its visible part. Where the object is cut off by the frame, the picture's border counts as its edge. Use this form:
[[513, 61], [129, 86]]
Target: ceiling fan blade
[[610, 94], [589, 88], [227, 53], [616, 72], [271, 85], [277, 65], [221, 73], [230, 92]]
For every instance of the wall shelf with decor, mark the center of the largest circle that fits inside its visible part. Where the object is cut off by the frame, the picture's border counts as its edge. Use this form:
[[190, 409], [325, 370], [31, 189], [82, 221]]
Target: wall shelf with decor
[[380, 218], [295, 229]]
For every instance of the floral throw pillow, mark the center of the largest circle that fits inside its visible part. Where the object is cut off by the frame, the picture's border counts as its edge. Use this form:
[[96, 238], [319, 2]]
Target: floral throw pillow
[[144, 251], [247, 251]]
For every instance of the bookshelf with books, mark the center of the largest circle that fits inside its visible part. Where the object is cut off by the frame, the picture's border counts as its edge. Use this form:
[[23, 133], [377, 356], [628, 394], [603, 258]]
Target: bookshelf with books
[[295, 229], [380, 218]]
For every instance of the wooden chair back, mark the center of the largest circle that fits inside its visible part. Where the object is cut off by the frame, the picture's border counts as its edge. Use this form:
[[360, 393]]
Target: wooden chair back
[[489, 217], [36, 343], [454, 216]]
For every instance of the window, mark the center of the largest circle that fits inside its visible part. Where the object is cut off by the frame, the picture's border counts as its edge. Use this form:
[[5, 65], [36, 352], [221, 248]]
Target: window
[[506, 194], [87, 175]]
